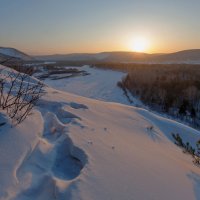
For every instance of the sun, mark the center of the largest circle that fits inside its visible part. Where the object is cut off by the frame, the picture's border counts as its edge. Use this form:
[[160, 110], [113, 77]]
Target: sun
[[139, 44]]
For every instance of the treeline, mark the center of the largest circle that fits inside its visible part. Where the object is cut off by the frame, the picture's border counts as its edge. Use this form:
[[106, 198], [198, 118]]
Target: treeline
[[173, 89]]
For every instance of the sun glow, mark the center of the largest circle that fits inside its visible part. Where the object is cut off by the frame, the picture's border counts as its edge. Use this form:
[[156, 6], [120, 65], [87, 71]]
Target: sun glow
[[139, 44]]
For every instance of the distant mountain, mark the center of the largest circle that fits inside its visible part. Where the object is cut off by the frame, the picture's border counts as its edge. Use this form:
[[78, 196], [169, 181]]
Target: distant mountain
[[186, 56], [6, 52], [103, 56], [6, 59], [65, 57]]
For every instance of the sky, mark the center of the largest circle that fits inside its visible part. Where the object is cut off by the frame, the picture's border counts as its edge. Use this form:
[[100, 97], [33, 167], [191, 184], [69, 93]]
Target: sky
[[68, 26]]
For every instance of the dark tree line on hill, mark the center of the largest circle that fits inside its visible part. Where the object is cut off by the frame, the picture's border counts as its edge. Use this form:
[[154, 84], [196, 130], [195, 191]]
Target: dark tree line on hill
[[173, 89]]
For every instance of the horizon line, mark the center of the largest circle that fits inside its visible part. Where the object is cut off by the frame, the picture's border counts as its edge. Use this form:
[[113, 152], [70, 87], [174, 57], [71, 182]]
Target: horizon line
[[98, 52], [117, 51]]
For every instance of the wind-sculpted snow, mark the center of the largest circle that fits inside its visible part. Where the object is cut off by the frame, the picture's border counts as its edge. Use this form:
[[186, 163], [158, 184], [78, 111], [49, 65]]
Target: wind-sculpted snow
[[73, 147], [53, 159]]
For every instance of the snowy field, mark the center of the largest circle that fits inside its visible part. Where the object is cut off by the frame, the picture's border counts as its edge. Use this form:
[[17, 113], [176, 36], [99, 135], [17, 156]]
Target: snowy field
[[79, 148], [99, 84]]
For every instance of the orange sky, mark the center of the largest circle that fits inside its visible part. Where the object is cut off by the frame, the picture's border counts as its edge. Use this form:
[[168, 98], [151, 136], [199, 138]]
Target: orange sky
[[48, 27]]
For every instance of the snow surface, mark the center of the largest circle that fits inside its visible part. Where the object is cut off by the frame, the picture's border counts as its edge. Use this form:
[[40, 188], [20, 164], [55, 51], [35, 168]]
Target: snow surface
[[73, 147], [99, 84]]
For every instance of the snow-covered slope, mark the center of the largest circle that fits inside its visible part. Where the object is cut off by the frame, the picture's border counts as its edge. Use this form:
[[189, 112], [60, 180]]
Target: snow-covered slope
[[73, 147], [11, 52]]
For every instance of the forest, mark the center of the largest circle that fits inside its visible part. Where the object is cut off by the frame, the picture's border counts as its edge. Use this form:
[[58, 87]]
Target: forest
[[172, 88]]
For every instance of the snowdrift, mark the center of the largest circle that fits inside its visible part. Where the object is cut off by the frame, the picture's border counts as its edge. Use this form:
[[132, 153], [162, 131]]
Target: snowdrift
[[73, 147]]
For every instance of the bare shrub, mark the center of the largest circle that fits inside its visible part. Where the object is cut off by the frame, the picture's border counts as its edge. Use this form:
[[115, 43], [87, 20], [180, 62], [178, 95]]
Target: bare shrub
[[187, 148], [18, 94]]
